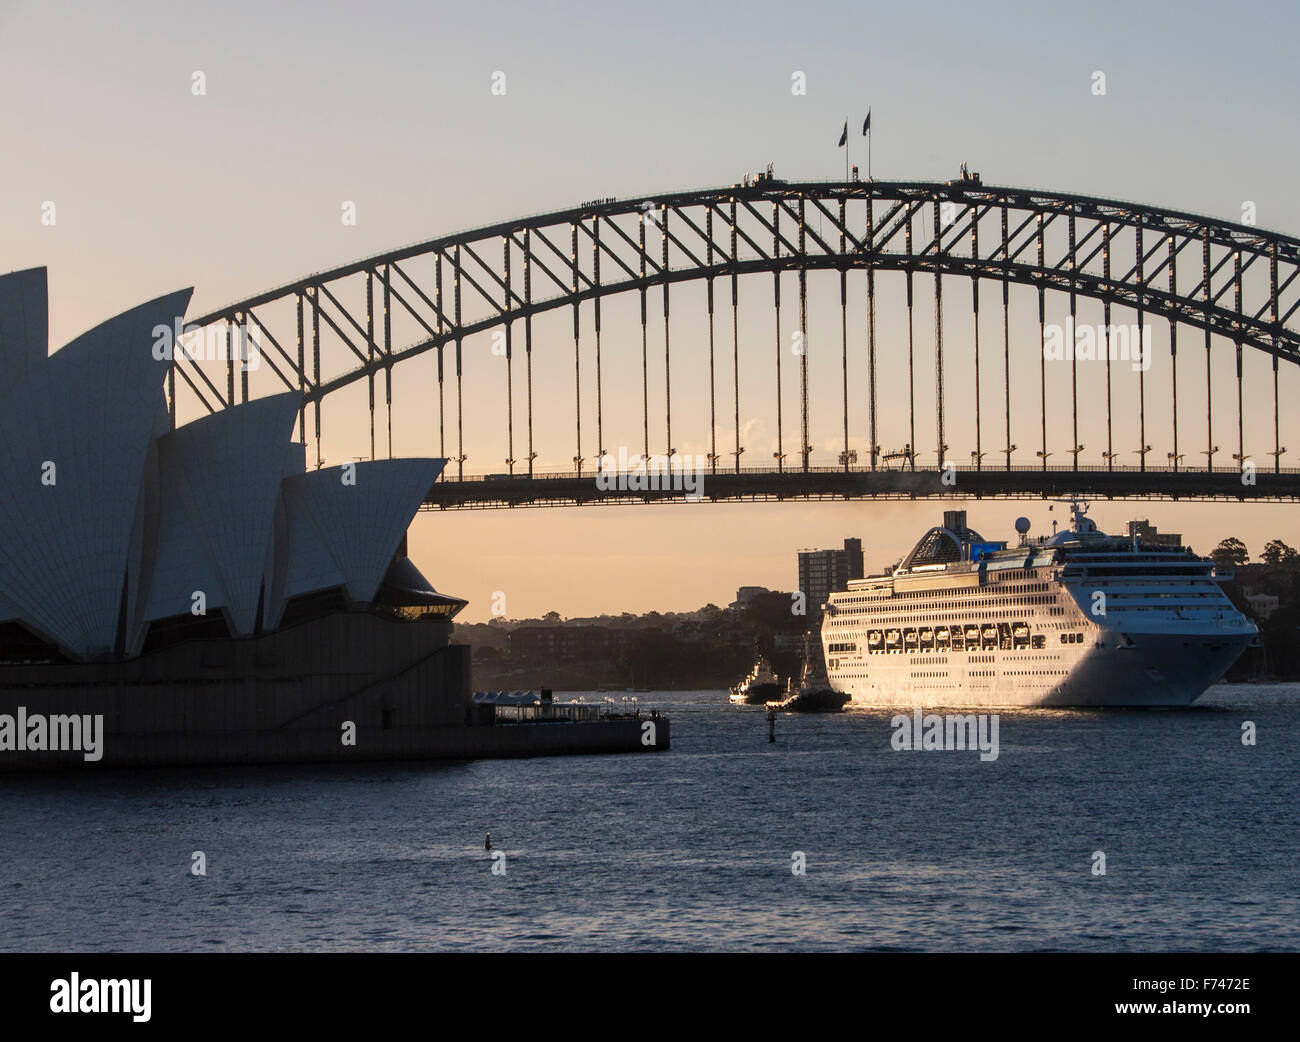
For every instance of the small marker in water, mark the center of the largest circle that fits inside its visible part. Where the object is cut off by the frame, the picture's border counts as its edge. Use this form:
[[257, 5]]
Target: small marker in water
[[771, 725], [487, 844]]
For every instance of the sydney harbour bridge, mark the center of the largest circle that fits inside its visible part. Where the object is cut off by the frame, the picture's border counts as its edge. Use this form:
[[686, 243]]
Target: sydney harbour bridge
[[835, 327]]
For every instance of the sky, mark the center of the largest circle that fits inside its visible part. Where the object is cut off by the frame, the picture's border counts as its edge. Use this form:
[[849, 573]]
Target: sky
[[389, 105]]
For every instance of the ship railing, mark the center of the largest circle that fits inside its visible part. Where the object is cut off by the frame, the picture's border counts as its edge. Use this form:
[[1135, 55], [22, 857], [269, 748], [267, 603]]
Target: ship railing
[[554, 712]]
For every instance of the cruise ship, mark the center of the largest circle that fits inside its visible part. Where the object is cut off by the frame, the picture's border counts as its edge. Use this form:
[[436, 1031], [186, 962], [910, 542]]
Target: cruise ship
[[1079, 618]]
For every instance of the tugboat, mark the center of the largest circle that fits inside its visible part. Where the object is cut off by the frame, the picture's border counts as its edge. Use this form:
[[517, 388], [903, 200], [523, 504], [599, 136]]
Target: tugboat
[[814, 693], [759, 687]]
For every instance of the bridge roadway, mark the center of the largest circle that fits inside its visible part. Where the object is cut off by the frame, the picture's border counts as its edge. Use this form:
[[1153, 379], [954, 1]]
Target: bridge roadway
[[1023, 482]]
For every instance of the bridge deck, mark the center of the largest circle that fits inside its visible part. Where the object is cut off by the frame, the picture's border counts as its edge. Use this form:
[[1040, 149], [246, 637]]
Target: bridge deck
[[572, 489]]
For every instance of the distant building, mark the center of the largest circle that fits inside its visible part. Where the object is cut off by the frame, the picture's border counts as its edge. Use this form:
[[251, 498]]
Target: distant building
[[1146, 533], [853, 548], [566, 643], [823, 572], [1262, 604], [746, 594]]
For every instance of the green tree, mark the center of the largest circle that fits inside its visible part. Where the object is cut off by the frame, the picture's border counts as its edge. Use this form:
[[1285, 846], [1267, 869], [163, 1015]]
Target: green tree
[[1278, 555], [1230, 551], [770, 613]]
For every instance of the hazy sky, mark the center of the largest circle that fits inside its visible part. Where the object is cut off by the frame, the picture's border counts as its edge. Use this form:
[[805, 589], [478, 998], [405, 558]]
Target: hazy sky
[[389, 105]]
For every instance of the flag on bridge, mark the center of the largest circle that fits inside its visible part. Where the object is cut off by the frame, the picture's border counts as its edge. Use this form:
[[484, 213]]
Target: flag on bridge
[[844, 135], [866, 124]]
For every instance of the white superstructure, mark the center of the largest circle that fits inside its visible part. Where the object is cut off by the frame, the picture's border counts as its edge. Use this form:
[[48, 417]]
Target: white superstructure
[[1077, 619]]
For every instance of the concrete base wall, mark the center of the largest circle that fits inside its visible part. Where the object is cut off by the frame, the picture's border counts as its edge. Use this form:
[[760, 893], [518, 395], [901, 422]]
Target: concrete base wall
[[197, 748], [348, 687]]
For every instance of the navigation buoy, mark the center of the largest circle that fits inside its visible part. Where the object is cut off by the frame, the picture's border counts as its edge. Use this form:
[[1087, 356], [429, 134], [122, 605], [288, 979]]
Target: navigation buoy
[[487, 844]]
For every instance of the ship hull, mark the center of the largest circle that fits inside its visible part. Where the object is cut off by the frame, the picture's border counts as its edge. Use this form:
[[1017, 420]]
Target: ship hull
[[1150, 670], [822, 700], [1159, 670], [756, 695]]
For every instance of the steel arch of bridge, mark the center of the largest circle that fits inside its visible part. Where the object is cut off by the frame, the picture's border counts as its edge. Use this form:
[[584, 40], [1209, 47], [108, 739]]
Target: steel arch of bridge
[[1236, 282]]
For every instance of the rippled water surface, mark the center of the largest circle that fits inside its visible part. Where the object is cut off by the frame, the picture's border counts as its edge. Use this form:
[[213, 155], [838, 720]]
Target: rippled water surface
[[692, 848]]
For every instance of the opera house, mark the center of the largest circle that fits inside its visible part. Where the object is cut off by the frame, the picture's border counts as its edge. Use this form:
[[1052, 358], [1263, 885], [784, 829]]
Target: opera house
[[198, 590]]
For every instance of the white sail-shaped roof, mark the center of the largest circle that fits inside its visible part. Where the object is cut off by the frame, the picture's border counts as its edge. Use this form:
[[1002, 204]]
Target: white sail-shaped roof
[[8, 610], [180, 567], [359, 525], [76, 432], [310, 566], [226, 469], [24, 343], [24, 324], [110, 520], [278, 559]]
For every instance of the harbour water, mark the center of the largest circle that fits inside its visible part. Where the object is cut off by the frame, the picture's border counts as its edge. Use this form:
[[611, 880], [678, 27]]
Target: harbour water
[[693, 849]]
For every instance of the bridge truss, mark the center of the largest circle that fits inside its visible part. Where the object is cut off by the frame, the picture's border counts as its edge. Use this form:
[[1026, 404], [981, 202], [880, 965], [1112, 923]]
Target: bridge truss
[[1223, 286]]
